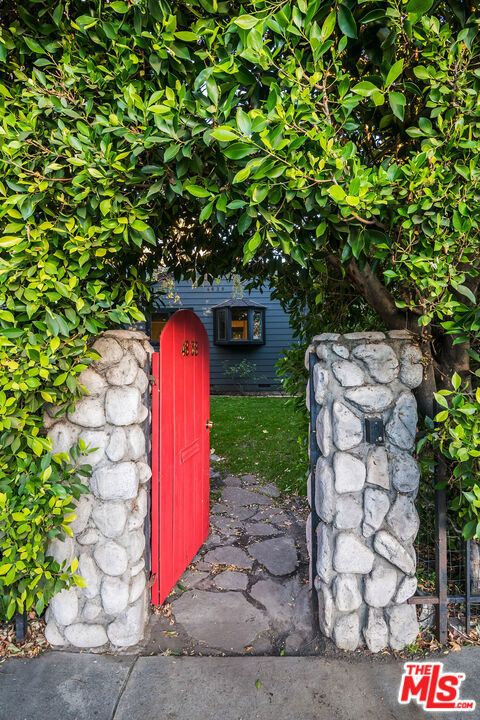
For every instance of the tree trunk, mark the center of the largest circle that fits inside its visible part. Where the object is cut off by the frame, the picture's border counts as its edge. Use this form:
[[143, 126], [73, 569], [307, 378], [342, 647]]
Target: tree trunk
[[443, 357], [424, 393], [451, 358]]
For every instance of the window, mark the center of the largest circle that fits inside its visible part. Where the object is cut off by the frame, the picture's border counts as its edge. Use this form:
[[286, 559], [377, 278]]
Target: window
[[221, 325], [258, 324], [239, 324], [157, 322]]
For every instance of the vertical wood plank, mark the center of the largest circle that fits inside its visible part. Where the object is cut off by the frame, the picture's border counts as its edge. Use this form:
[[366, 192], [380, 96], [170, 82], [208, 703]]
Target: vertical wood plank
[[167, 457]]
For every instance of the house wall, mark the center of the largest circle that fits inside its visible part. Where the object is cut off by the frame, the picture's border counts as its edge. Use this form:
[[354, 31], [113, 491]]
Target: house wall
[[278, 335]]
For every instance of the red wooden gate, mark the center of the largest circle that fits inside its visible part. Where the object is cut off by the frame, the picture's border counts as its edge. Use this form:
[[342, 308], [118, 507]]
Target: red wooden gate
[[180, 449]]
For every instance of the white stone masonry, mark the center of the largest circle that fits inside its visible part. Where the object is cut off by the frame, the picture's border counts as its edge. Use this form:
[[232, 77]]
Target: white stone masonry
[[365, 493], [109, 539]]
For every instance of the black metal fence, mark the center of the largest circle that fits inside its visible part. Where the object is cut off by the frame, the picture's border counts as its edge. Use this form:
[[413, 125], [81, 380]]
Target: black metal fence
[[447, 571]]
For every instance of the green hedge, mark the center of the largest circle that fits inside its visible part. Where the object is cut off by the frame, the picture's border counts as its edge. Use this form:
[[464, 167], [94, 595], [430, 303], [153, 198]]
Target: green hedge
[[206, 134], [72, 232]]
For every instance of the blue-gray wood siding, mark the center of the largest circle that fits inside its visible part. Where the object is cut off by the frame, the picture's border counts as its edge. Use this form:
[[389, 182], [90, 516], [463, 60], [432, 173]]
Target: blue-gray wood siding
[[278, 335]]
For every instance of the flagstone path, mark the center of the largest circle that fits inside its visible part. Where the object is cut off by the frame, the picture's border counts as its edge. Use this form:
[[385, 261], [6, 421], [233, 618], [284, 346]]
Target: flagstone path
[[246, 592]]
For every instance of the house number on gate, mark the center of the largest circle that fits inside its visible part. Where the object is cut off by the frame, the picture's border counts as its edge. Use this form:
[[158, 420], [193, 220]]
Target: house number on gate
[[190, 347]]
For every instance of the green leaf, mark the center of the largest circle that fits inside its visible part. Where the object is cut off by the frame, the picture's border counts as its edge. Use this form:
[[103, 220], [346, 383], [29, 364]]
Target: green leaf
[[346, 21], [337, 193], [54, 344], [373, 16], [186, 35], [212, 90], [243, 122], [414, 132], [469, 530], [254, 242], [465, 291], [170, 152], [139, 225], [105, 206], [237, 151], [57, 14], [85, 22], [197, 190], [328, 26], [12, 606], [246, 22], [154, 61], [397, 102], [33, 45], [119, 7], [418, 6], [224, 134], [394, 72], [364, 88], [356, 240], [9, 241], [241, 175], [421, 72], [440, 400], [206, 212], [456, 381]]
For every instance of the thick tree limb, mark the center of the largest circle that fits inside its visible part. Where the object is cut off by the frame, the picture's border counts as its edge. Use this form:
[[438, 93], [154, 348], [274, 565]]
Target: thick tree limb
[[381, 300], [377, 296]]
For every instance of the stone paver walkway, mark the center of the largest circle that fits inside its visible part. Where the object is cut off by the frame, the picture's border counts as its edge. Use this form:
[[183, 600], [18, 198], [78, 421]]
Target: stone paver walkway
[[246, 591]]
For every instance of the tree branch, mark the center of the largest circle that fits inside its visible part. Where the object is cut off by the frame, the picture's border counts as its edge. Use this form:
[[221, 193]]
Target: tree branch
[[377, 296], [381, 300]]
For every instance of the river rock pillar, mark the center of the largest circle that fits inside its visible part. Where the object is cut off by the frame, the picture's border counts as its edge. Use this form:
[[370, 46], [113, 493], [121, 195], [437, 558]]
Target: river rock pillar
[[365, 483], [109, 534]]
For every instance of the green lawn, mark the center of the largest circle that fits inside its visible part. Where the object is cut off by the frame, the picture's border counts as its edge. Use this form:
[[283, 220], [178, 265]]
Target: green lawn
[[264, 436]]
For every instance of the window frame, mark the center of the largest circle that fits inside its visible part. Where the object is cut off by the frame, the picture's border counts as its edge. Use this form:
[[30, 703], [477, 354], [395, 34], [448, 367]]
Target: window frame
[[250, 340], [165, 312], [216, 323]]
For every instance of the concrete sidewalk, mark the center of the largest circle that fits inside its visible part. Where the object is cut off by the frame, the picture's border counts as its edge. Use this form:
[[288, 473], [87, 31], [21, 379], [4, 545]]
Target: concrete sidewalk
[[71, 686]]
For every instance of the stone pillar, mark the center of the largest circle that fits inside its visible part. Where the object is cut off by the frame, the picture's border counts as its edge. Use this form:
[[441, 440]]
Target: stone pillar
[[365, 491], [109, 537]]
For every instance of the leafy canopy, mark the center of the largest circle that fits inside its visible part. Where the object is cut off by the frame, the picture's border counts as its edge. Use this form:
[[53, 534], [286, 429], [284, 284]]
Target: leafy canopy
[[207, 134]]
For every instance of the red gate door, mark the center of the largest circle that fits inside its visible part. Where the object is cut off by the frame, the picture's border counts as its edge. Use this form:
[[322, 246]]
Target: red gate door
[[180, 449]]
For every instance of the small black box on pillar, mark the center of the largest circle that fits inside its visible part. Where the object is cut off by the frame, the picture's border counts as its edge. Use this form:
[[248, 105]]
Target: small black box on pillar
[[374, 431]]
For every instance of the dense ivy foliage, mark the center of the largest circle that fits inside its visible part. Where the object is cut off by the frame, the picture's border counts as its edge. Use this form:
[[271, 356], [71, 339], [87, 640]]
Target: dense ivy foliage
[[35, 511], [204, 134], [71, 237], [457, 434]]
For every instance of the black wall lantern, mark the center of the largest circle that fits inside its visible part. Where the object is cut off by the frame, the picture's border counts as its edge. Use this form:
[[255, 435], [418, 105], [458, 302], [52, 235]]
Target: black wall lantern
[[238, 322]]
